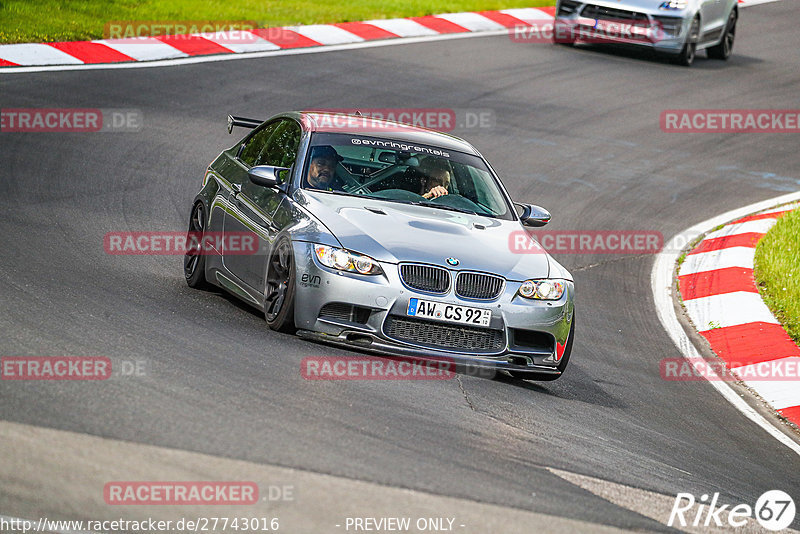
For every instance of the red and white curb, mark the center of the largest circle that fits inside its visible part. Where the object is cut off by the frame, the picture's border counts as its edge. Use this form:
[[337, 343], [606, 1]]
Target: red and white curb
[[721, 299], [262, 42], [720, 295], [266, 39]]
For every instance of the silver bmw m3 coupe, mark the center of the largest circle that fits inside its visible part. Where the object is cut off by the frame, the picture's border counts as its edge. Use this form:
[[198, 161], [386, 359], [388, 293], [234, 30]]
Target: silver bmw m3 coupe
[[385, 237], [678, 28]]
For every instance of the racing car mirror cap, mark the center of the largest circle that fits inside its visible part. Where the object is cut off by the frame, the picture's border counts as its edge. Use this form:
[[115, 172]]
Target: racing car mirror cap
[[266, 175], [534, 215]]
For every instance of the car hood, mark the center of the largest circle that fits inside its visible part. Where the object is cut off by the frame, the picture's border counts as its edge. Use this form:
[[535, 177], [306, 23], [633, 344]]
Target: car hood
[[394, 232]]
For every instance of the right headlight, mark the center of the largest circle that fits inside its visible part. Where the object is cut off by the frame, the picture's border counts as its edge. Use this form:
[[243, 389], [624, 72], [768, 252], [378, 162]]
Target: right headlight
[[344, 260], [546, 289]]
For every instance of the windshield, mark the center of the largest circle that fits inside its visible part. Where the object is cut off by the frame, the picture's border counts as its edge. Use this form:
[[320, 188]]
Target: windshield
[[396, 171]]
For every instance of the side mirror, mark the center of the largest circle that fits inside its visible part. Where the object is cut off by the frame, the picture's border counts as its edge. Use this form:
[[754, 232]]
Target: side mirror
[[266, 175], [534, 215]]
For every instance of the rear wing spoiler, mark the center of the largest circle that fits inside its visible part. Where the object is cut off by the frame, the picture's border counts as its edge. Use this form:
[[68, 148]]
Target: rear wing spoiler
[[242, 122]]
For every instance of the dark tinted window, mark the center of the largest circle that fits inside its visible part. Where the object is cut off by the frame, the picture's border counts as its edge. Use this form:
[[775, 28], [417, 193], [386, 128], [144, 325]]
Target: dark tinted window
[[279, 150], [256, 144], [275, 144]]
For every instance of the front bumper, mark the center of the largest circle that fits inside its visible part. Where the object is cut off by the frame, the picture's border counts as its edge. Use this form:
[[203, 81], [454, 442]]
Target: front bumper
[[523, 335]]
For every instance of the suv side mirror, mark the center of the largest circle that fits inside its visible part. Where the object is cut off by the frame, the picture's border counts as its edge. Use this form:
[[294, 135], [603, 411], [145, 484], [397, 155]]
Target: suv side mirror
[[266, 175], [533, 215]]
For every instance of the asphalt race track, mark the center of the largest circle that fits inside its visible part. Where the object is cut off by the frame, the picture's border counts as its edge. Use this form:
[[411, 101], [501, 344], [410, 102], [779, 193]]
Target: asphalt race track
[[575, 130]]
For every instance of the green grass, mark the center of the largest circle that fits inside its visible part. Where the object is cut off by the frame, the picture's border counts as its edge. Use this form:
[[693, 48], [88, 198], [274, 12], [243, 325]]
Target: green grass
[[70, 20], [778, 271]]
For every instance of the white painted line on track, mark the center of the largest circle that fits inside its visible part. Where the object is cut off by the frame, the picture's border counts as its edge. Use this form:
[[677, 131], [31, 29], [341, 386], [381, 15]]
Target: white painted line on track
[[326, 34], [270, 53], [474, 22], [36, 54], [661, 279], [402, 27], [728, 309], [758, 226], [781, 394], [143, 48], [241, 42], [719, 259], [527, 13]]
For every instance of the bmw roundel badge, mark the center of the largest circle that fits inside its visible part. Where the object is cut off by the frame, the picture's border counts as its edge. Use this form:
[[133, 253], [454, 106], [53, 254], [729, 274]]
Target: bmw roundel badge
[[452, 261]]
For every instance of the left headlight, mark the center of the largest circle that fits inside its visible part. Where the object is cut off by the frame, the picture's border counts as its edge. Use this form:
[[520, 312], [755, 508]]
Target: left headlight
[[542, 289], [344, 260]]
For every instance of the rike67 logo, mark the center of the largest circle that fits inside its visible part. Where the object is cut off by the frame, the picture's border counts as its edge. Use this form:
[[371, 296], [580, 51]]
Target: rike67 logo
[[774, 511]]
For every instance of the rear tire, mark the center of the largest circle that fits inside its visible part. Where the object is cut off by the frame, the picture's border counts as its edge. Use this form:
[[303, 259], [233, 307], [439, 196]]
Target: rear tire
[[689, 51], [725, 47], [279, 292], [562, 365], [194, 262]]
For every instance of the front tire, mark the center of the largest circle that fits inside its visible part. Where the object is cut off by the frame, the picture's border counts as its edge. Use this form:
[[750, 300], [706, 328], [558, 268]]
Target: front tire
[[280, 288], [194, 262], [689, 51], [725, 47]]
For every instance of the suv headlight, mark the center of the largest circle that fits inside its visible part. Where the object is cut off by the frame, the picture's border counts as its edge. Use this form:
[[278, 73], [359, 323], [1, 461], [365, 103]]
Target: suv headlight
[[674, 4], [344, 260], [542, 289]]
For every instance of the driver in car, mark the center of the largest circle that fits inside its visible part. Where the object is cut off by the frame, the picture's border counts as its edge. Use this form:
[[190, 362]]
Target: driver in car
[[322, 170], [435, 178]]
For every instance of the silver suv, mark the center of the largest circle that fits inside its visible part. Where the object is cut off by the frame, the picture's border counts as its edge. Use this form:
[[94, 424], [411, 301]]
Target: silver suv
[[678, 28]]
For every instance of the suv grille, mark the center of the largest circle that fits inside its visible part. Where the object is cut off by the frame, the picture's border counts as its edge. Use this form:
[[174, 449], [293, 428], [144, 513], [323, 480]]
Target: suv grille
[[478, 286], [443, 336], [567, 7], [609, 13], [425, 277]]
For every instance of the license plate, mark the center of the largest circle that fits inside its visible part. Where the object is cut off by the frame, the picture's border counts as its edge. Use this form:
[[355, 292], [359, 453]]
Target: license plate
[[451, 313], [616, 28]]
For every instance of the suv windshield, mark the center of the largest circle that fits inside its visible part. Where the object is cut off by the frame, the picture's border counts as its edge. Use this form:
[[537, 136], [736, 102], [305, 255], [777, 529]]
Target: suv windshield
[[397, 171]]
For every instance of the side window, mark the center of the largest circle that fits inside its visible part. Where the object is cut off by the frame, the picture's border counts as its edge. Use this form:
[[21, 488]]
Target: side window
[[255, 145], [279, 150]]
